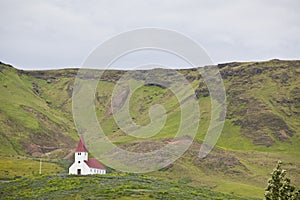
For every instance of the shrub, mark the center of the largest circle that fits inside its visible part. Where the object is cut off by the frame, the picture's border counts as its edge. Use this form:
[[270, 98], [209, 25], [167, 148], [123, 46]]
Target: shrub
[[279, 187]]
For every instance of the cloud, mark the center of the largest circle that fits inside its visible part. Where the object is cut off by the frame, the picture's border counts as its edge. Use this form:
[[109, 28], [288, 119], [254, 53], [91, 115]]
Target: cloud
[[53, 34]]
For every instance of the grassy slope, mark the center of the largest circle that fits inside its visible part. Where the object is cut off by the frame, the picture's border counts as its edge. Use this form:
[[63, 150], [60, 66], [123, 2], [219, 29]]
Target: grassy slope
[[110, 186], [13, 166], [236, 161], [27, 125], [26, 117]]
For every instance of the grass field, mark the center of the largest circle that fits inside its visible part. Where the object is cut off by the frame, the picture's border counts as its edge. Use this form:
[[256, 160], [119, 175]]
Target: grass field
[[110, 186], [20, 166]]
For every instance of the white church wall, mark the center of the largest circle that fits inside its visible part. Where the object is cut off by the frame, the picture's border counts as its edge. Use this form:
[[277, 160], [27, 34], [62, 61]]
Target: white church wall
[[82, 166]]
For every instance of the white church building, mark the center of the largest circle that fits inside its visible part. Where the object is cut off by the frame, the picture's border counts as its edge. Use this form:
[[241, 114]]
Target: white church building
[[83, 165]]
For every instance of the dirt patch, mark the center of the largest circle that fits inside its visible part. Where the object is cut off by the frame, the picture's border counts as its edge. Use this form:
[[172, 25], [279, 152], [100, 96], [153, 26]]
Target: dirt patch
[[49, 137], [152, 145], [37, 150], [118, 101], [217, 161]]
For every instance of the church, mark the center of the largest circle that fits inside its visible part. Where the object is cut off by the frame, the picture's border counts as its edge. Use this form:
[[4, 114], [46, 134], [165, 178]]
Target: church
[[83, 165]]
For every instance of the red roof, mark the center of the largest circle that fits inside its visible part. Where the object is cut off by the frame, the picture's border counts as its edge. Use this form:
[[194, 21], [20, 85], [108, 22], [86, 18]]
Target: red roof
[[94, 163], [81, 147]]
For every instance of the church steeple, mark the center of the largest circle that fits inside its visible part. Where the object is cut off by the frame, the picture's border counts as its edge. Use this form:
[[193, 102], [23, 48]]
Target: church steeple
[[80, 146], [81, 152]]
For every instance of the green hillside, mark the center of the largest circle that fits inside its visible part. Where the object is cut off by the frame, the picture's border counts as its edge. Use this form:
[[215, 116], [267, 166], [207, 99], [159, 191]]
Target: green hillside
[[262, 123]]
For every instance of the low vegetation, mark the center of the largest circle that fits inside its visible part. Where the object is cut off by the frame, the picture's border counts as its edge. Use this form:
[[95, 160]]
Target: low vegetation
[[109, 186]]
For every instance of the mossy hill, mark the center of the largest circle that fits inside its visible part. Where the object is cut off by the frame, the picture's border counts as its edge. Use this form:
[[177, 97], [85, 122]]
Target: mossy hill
[[262, 123]]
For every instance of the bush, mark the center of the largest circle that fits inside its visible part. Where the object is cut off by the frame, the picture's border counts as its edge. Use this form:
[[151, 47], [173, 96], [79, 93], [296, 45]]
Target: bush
[[279, 187]]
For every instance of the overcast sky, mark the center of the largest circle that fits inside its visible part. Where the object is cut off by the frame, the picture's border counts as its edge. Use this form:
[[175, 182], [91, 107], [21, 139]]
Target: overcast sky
[[56, 34]]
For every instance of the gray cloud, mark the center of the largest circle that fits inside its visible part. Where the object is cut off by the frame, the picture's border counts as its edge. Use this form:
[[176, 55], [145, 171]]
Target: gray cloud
[[52, 34]]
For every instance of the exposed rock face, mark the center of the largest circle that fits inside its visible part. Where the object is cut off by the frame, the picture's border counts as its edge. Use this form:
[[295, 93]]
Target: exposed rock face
[[35, 88], [202, 90]]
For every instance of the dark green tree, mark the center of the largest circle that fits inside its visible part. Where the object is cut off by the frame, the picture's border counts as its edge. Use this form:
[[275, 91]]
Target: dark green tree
[[279, 186]]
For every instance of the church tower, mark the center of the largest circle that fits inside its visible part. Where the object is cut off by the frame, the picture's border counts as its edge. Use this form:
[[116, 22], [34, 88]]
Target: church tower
[[81, 153]]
